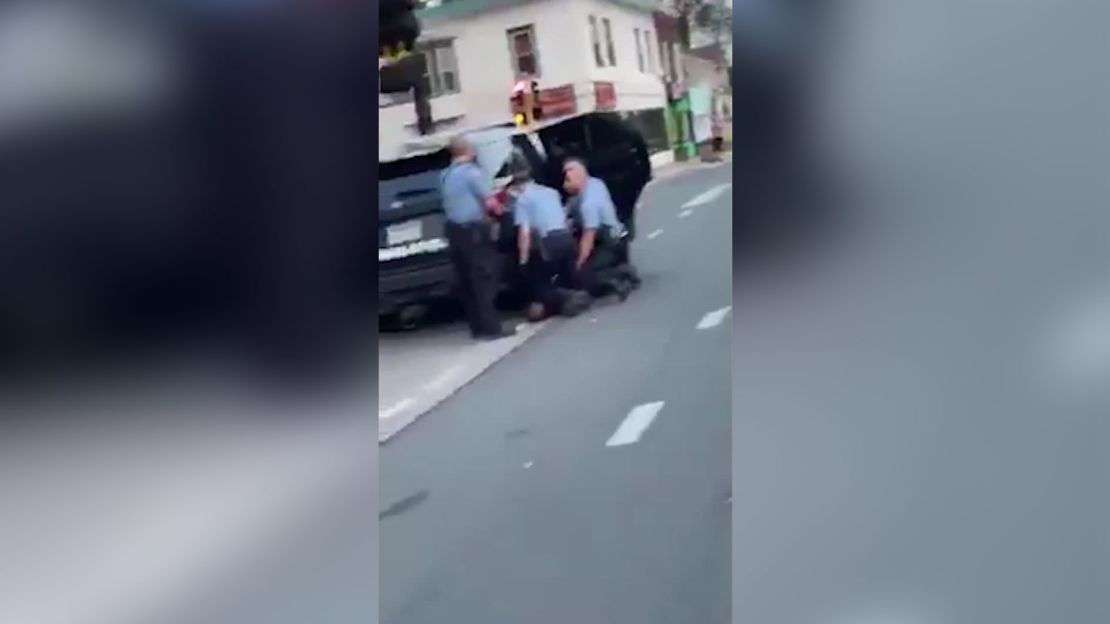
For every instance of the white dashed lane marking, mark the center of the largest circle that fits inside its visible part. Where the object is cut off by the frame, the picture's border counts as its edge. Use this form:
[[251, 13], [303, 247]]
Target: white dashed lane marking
[[685, 213], [635, 424], [654, 234], [714, 318], [395, 409], [707, 196]]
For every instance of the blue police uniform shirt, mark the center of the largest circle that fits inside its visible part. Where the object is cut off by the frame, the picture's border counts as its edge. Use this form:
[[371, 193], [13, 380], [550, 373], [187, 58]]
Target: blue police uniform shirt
[[595, 206], [540, 208], [465, 188]]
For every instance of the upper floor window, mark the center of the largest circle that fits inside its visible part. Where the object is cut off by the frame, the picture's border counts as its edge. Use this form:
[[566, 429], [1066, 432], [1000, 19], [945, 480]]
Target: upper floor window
[[663, 68], [611, 52], [441, 72], [522, 48], [442, 69], [639, 49], [649, 52], [595, 42]]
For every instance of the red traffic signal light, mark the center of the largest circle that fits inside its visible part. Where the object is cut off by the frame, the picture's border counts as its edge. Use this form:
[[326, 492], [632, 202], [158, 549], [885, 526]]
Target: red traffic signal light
[[525, 103]]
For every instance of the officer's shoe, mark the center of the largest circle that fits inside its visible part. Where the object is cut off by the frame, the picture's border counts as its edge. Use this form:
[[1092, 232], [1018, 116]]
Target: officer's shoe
[[622, 288], [630, 273]]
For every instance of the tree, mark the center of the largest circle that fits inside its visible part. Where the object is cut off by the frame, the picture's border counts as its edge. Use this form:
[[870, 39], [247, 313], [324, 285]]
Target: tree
[[712, 16]]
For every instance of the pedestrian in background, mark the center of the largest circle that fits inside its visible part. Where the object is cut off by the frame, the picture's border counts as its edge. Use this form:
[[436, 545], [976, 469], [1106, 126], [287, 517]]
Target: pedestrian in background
[[602, 261], [470, 207]]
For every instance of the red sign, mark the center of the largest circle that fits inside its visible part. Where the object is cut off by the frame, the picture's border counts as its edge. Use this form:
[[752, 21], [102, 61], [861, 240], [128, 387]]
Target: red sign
[[606, 95], [558, 101]]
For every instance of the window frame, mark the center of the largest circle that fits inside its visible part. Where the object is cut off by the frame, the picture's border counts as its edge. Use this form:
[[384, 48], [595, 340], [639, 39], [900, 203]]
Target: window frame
[[510, 37], [595, 42], [610, 49], [433, 50], [639, 50]]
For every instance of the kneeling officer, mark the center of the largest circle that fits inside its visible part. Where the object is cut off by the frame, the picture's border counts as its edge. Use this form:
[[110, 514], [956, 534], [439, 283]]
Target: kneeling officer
[[551, 275]]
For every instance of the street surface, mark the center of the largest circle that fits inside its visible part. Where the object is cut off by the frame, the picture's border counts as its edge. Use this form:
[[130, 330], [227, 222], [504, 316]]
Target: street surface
[[585, 477]]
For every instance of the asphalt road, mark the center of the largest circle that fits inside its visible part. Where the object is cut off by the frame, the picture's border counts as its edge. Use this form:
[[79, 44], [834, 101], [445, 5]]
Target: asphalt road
[[536, 494]]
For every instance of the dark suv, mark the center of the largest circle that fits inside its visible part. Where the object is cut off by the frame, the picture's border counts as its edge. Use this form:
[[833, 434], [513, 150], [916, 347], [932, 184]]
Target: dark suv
[[413, 265]]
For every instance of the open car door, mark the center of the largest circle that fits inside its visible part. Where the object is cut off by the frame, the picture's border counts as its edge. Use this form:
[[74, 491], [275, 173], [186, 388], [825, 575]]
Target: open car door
[[614, 151]]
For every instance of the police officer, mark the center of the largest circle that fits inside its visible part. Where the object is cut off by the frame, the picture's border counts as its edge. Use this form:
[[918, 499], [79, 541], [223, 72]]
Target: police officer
[[602, 259], [468, 202], [545, 247]]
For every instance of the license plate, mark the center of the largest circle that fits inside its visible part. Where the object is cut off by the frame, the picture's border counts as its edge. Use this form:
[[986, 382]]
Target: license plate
[[403, 233]]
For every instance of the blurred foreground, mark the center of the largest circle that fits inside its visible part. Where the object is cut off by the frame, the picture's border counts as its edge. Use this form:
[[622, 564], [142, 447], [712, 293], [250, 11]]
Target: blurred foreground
[[186, 378], [922, 373]]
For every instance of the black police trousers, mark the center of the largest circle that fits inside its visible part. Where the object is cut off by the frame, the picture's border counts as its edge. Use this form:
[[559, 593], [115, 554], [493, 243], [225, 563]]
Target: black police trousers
[[552, 269], [474, 255], [603, 271]]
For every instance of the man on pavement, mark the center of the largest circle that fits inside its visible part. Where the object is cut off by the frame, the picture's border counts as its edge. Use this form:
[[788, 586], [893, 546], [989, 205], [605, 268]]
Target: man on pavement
[[469, 204], [601, 261]]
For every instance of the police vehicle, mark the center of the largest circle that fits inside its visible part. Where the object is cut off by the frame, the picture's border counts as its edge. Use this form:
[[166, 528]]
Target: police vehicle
[[414, 269]]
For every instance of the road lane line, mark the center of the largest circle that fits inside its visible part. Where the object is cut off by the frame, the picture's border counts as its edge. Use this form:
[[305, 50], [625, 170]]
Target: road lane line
[[395, 409], [714, 318], [635, 424], [707, 196], [685, 213], [654, 234]]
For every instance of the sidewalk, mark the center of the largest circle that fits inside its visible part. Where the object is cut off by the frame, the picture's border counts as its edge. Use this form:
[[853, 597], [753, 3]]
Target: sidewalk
[[678, 168], [419, 370]]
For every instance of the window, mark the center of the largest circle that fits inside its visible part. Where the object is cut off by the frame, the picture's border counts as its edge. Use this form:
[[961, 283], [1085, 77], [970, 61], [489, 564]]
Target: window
[[522, 49], [611, 52], [442, 70], [639, 49], [595, 41], [662, 56], [668, 63], [649, 51]]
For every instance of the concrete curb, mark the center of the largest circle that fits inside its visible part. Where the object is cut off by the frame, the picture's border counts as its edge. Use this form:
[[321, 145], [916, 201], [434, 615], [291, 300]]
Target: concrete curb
[[472, 361], [678, 168]]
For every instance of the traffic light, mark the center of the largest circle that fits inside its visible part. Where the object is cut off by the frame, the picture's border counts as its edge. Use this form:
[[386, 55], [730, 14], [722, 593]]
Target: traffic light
[[403, 75], [537, 110], [518, 105], [398, 28], [524, 103], [400, 70]]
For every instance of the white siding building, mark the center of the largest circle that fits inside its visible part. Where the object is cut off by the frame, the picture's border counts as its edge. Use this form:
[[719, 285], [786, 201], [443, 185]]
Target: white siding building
[[606, 50]]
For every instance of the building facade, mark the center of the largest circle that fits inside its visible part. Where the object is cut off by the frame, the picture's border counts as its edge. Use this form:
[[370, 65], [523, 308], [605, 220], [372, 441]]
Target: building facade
[[585, 55], [707, 74]]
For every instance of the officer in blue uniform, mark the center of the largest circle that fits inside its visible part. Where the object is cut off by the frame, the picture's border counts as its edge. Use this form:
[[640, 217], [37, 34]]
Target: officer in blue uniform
[[545, 246], [469, 204], [602, 258]]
